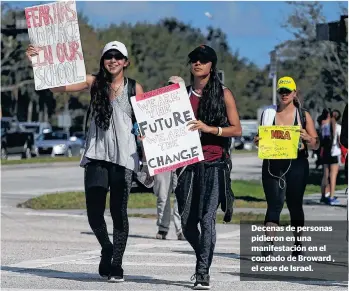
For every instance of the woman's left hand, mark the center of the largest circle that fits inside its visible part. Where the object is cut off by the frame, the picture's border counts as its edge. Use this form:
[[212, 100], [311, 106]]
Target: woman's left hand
[[199, 125], [305, 136]]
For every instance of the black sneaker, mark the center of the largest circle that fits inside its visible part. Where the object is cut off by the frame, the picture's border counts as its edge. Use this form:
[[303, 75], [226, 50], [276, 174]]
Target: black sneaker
[[105, 263], [202, 281], [161, 234], [116, 274]]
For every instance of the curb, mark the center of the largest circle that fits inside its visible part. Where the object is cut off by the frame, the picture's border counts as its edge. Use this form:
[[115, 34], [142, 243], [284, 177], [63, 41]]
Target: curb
[[39, 165]]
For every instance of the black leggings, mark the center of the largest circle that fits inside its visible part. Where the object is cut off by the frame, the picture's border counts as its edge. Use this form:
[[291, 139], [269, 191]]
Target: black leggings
[[99, 176], [296, 181]]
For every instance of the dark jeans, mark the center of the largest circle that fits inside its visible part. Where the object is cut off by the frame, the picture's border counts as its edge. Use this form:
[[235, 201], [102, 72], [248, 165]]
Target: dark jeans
[[99, 176], [296, 181]]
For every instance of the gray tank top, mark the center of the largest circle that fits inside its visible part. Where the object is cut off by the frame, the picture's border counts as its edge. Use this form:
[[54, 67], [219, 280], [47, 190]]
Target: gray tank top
[[117, 144]]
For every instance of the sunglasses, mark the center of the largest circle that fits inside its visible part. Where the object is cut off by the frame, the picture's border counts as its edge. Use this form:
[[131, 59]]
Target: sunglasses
[[115, 55], [202, 61], [284, 92]]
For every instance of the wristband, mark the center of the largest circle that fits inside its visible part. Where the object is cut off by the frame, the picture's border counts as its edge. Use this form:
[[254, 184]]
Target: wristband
[[220, 131]]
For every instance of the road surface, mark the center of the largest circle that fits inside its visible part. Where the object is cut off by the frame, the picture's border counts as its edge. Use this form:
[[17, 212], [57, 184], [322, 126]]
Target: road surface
[[21, 182]]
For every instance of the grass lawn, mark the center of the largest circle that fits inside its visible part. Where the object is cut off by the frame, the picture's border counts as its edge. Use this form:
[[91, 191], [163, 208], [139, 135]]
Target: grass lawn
[[40, 160], [248, 194], [77, 159], [238, 217]]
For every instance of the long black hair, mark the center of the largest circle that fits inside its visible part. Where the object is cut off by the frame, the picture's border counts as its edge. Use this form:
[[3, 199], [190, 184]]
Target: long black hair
[[212, 109], [100, 91]]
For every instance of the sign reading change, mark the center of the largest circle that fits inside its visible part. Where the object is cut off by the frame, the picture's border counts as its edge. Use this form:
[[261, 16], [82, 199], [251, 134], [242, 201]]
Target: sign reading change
[[162, 117], [54, 29], [278, 142]]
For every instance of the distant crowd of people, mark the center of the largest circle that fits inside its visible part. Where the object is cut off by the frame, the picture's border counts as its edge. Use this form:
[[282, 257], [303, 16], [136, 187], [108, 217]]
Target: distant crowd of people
[[112, 158]]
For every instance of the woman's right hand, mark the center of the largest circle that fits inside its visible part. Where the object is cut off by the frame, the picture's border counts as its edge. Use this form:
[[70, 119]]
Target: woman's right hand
[[256, 140], [31, 51]]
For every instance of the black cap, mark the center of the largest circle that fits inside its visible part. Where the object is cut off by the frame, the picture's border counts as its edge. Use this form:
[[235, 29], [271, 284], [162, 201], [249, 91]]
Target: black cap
[[204, 53]]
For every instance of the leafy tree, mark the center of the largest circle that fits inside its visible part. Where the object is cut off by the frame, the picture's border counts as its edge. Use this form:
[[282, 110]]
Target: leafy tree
[[320, 68]]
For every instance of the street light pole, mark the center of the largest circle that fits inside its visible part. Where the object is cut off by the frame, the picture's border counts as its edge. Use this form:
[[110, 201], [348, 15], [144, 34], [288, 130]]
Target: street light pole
[[274, 89], [273, 73]]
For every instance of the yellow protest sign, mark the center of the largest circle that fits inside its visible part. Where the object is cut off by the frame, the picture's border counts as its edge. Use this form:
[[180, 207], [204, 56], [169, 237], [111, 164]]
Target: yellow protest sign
[[278, 142]]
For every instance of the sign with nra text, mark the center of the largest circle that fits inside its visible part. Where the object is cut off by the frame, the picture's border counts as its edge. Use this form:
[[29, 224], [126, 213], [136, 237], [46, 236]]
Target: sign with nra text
[[278, 142], [54, 29]]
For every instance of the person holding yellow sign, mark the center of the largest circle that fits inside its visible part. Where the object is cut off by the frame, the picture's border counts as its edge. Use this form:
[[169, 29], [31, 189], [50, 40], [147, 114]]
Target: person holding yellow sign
[[285, 134]]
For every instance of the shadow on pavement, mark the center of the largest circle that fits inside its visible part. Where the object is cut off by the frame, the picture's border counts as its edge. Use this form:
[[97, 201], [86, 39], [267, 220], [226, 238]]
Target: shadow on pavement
[[289, 279], [130, 235], [89, 277]]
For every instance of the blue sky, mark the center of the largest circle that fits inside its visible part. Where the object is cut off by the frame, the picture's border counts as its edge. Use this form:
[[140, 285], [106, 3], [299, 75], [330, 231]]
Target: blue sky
[[253, 28]]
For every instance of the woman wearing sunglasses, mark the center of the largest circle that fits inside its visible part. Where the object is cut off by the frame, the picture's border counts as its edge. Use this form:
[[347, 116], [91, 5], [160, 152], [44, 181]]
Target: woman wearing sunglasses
[[287, 177], [201, 187], [110, 156]]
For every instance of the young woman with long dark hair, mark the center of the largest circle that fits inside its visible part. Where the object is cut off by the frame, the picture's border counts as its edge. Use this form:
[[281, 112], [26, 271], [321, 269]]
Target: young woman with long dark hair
[[203, 186], [330, 154], [110, 156], [285, 177]]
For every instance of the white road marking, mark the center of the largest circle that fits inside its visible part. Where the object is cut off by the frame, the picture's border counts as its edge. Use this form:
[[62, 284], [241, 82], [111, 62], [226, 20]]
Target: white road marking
[[54, 214], [33, 264], [231, 234], [85, 257]]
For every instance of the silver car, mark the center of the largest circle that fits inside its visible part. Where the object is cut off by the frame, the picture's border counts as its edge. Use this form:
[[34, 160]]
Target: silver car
[[58, 143]]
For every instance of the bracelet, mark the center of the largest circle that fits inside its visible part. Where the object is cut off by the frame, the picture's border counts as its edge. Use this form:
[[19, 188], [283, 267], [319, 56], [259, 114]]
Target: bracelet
[[220, 131]]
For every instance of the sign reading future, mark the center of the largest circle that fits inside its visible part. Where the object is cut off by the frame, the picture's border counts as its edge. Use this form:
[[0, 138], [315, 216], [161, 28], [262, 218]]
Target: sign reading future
[[162, 117]]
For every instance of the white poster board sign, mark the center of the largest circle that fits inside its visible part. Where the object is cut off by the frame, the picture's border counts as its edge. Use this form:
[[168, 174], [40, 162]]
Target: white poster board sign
[[54, 29], [162, 117]]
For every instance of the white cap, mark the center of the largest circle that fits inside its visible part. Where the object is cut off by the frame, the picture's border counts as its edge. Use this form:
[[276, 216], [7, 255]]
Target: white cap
[[116, 45]]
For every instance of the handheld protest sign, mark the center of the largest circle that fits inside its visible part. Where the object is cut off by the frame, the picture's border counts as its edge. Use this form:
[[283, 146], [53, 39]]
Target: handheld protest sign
[[278, 142], [162, 116], [54, 29]]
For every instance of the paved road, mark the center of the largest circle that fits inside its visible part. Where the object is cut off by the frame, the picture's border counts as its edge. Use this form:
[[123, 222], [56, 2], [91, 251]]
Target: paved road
[[53, 252], [21, 182]]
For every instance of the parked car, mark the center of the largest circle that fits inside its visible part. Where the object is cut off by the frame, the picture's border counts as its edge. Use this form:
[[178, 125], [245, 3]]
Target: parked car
[[58, 143], [15, 140], [37, 127]]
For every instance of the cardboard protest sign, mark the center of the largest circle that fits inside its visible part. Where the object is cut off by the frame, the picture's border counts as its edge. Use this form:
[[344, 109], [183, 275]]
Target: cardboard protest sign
[[54, 29], [278, 142], [162, 117]]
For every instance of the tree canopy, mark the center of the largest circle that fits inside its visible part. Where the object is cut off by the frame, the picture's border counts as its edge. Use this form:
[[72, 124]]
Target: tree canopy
[[158, 51]]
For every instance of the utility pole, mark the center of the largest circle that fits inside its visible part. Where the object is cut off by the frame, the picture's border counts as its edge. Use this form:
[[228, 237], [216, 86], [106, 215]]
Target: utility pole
[[273, 72]]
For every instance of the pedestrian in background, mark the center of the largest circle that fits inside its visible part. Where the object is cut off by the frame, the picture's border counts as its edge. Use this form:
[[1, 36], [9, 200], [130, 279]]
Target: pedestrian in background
[[287, 177], [164, 185]]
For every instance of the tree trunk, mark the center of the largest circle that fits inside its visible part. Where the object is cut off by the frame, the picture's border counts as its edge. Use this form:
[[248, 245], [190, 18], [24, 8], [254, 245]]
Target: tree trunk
[[30, 111]]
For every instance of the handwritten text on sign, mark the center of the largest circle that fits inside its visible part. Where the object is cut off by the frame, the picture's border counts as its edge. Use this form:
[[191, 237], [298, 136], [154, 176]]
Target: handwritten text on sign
[[162, 117], [54, 29], [278, 142]]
